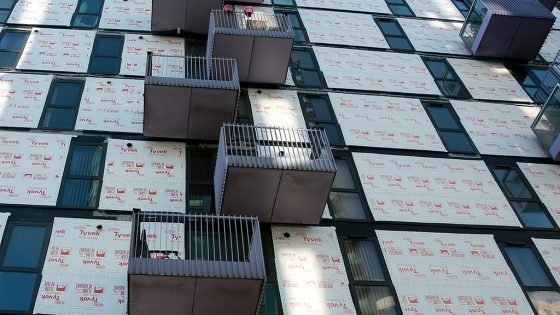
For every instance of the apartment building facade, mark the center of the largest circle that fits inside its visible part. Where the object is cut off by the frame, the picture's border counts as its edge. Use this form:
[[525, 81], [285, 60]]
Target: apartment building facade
[[277, 157]]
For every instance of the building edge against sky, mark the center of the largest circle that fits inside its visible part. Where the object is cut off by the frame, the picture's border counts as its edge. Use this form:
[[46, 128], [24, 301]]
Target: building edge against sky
[[291, 157]]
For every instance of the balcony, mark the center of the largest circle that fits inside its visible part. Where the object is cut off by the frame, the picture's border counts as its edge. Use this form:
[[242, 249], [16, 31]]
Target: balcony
[[280, 175], [194, 264], [547, 125], [261, 43], [186, 15], [189, 97], [552, 76], [509, 29]]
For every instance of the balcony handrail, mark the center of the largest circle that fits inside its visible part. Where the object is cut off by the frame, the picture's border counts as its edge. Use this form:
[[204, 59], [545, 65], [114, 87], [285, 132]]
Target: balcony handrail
[[257, 24], [197, 245]]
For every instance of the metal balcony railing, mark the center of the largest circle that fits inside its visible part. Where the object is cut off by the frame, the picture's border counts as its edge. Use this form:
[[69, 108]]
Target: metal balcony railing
[[257, 24], [194, 245], [192, 71]]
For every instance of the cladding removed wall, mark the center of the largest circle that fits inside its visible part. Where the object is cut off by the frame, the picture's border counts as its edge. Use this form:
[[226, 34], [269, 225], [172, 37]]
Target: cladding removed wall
[[147, 175], [437, 273], [435, 9], [31, 167], [279, 108], [432, 190], [500, 129], [43, 12], [435, 36], [85, 270], [311, 274], [375, 71], [133, 15], [115, 105], [545, 180], [371, 6], [387, 122], [22, 97], [550, 252], [135, 52]]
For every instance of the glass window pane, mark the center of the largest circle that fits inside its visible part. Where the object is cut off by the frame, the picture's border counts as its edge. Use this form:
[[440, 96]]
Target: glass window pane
[[532, 214], [269, 305], [389, 28], [284, 2], [12, 41], [105, 65], [299, 35], [308, 78], [500, 173], [527, 266], [401, 10], [200, 199], [66, 94], [17, 290], [90, 6], [334, 136], [442, 117], [8, 59], [304, 58], [81, 193], [86, 20], [24, 247], [85, 160], [4, 14], [395, 1], [375, 300], [317, 108], [201, 167], [364, 260], [453, 88], [346, 205], [59, 118], [343, 178], [546, 302], [456, 142], [515, 186], [398, 43], [294, 20], [6, 4], [108, 46], [438, 68]]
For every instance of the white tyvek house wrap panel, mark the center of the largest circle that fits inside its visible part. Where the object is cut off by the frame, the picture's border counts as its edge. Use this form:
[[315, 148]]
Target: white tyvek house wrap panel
[[375, 71], [371, 6], [437, 273], [85, 270], [22, 97], [551, 45], [556, 13], [135, 53], [57, 50], [43, 12], [338, 28], [545, 180], [432, 190], [289, 80], [488, 80], [110, 104], [500, 129], [148, 175], [435, 36], [3, 220], [550, 252], [279, 108], [436, 9], [388, 122], [311, 274], [31, 167], [135, 15]]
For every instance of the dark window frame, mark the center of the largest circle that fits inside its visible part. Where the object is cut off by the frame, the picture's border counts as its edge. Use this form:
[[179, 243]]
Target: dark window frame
[[403, 35], [404, 4], [96, 42], [19, 52], [301, 27], [9, 10], [440, 81], [50, 96], [295, 67], [309, 121], [76, 14], [244, 113], [459, 4], [193, 183]]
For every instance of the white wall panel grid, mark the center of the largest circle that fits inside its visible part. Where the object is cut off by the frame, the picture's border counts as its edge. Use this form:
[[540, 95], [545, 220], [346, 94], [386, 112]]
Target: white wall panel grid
[[340, 28], [437, 273], [389, 122], [375, 71], [43, 12], [551, 45], [3, 221], [371, 6], [436, 9], [133, 15], [550, 252], [545, 180], [278, 108], [500, 129], [31, 167], [135, 53], [115, 105], [147, 175], [435, 36], [22, 97], [62, 50], [489, 80], [311, 274], [432, 190]]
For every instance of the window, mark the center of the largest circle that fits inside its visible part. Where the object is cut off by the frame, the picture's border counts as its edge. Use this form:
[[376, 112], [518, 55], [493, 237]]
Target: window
[[531, 79], [399, 7], [106, 56], [11, 45], [449, 128], [446, 79], [6, 7], [87, 13], [522, 199], [305, 70], [82, 177], [284, 2], [195, 48], [62, 104], [201, 181], [244, 112], [370, 285], [318, 113], [270, 303], [394, 34], [463, 6], [535, 280], [300, 34], [21, 260], [345, 199]]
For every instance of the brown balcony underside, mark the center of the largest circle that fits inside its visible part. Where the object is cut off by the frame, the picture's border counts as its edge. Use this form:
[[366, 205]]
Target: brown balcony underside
[[188, 15]]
